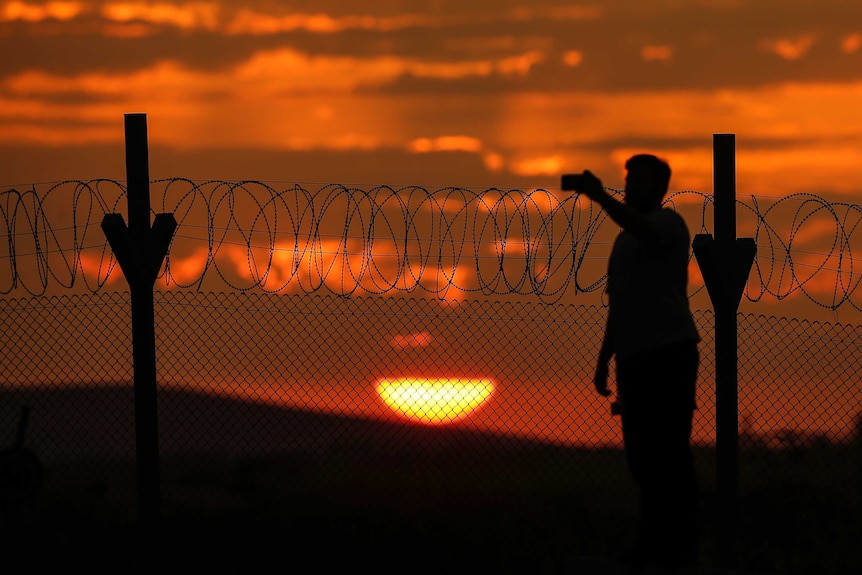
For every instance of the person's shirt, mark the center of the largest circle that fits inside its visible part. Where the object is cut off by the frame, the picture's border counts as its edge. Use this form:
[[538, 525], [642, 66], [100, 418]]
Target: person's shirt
[[647, 288]]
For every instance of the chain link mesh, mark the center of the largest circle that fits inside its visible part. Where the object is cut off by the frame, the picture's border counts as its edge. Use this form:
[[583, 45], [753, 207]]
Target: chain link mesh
[[272, 404]]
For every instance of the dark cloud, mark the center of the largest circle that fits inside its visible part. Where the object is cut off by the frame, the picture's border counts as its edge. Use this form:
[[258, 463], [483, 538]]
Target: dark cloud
[[24, 165], [27, 164], [713, 44]]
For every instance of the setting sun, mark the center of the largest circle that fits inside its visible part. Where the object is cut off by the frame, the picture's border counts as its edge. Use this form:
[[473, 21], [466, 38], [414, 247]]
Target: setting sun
[[434, 401]]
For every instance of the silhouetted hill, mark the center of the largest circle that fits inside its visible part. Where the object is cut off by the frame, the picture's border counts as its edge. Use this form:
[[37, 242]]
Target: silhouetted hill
[[69, 423], [246, 486], [285, 483]]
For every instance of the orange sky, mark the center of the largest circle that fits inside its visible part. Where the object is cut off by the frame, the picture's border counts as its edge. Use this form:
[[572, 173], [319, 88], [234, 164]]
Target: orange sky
[[494, 93], [483, 94], [477, 94]]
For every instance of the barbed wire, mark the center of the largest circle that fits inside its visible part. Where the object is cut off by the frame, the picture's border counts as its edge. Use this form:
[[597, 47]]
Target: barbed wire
[[350, 240]]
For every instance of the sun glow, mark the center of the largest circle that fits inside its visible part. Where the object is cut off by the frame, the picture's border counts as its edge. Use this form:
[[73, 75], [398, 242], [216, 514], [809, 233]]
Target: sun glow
[[434, 401]]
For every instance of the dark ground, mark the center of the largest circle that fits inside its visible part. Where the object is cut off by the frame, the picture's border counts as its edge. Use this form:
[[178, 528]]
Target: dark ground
[[247, 488]]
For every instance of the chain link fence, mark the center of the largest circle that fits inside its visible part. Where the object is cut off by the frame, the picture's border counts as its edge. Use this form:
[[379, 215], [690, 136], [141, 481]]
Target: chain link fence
[[286, 409]]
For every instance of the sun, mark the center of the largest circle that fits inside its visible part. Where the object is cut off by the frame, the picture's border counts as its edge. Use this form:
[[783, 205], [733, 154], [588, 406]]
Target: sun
[[434, 401]]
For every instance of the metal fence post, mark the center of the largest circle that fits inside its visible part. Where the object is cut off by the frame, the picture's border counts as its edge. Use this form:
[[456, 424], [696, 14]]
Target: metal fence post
[[725, 262], [140, 250]]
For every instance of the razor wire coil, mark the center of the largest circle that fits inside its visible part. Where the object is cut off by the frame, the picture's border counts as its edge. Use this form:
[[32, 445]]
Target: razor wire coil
[[348, 240]]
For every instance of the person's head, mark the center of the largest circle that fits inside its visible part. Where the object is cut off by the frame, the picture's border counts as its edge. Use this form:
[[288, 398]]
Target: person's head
[[647, 180]]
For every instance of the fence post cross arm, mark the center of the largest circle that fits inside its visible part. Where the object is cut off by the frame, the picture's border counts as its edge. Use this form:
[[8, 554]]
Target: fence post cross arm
[[158, 243], [725, 268], [744, 251], [121, 241], [140, 255]]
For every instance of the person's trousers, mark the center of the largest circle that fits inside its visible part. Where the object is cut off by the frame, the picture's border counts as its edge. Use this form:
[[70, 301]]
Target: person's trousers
[[657, 391]]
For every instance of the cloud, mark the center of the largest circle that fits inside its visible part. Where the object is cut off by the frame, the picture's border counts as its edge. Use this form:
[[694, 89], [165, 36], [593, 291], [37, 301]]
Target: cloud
[[477, 89], [253, 22], [185, 270], [493, 161], [187, 16], [100, 269], [580, 120], [267, 73], [411, 340], [445, 144], [340, 265], [521, 64], [533, 166], [37, 12], [851, 43], [476, 46], [573, 58], [656, 53], [263, 98], [789, 48], [780, 134], [226, 18], [286, 70]]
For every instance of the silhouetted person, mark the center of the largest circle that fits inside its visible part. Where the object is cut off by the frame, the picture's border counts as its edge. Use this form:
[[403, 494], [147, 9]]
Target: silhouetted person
[[653, 337]]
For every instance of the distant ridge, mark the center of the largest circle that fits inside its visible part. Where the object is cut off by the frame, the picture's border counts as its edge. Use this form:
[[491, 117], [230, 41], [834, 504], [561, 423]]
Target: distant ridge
[[91, 422]]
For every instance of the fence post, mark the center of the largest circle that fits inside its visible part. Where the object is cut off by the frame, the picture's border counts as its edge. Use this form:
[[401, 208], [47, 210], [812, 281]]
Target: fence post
[[140, 250], [725, 262]]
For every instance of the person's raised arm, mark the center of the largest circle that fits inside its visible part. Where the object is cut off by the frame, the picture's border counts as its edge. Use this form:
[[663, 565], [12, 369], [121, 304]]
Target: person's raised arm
[[625, 216]]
